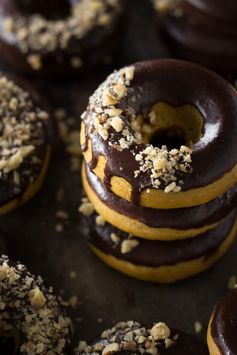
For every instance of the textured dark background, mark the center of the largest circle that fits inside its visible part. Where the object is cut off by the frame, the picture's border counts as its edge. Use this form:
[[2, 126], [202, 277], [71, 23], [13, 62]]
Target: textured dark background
[[105, 295]]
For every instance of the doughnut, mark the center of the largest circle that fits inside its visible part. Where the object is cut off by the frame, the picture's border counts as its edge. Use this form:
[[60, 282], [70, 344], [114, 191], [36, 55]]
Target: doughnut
[[159, 261], [25, 147], [201, 31], [222, 328], [51, 37], [154, 133], [156, 223], [132, 338], [30, 312]]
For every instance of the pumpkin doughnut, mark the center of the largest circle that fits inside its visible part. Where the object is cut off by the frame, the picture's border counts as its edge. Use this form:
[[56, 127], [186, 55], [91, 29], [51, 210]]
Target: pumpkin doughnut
[[160, 261], [132, 338], [24, 145], [222, 328], [190, 118], [155, 223], [52, 37], [31, 313], [201, 31]]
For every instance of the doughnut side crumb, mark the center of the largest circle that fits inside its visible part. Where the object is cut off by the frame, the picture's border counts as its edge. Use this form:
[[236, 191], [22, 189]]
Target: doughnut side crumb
[[100, 221], [128, 245], [22, 133], [129, 336], [232, 282], [197, 327], [36, 33], [86, 207], [33, 311]]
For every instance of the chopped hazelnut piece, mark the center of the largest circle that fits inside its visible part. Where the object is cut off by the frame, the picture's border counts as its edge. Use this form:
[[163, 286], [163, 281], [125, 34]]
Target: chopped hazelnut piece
[[128, 245], [37, 298], [160, 331]]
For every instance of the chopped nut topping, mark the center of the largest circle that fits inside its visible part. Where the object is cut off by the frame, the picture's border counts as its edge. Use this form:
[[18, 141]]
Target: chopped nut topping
[[127, 336], [128, 245], [160, 331], [110, 349], [114, 238], [32, 310], [163, 165], [37, 298]]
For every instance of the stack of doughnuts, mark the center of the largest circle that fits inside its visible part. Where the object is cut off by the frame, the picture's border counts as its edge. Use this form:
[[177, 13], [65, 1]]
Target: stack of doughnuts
[[153, 138], [52, 37], [201, 31]]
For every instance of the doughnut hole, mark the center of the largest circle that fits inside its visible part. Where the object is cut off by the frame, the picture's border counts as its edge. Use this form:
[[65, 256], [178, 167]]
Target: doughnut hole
[[9, 341], [172, 126]]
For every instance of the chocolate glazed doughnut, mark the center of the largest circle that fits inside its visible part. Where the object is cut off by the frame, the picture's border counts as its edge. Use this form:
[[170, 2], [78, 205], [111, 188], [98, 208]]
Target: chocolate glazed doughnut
[[58, 37], [158, 224], [155, 102], [25, 145], [201, 31], [132, 338], [223, 326], [30, 312], [160, 261]]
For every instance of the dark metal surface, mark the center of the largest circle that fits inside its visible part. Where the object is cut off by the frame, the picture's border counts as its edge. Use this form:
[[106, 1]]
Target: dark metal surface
[[105, 295]]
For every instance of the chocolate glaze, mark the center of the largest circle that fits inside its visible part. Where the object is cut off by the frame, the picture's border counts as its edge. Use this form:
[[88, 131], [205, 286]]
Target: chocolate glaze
[[206, 33], [7, 192], [48, 8], [177, 83], [179, 218], [185, 345], [224, 10], [159, 253], [224, 324], [91, 48]]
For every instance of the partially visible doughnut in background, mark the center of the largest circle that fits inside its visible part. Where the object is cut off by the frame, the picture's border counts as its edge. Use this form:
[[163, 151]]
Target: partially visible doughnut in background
[[25, 143], [56, 39], [222, 330], [31, 314]]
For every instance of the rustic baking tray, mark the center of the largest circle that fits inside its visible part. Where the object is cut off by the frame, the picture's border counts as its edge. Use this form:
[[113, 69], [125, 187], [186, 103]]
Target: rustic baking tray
[[55, 248]]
